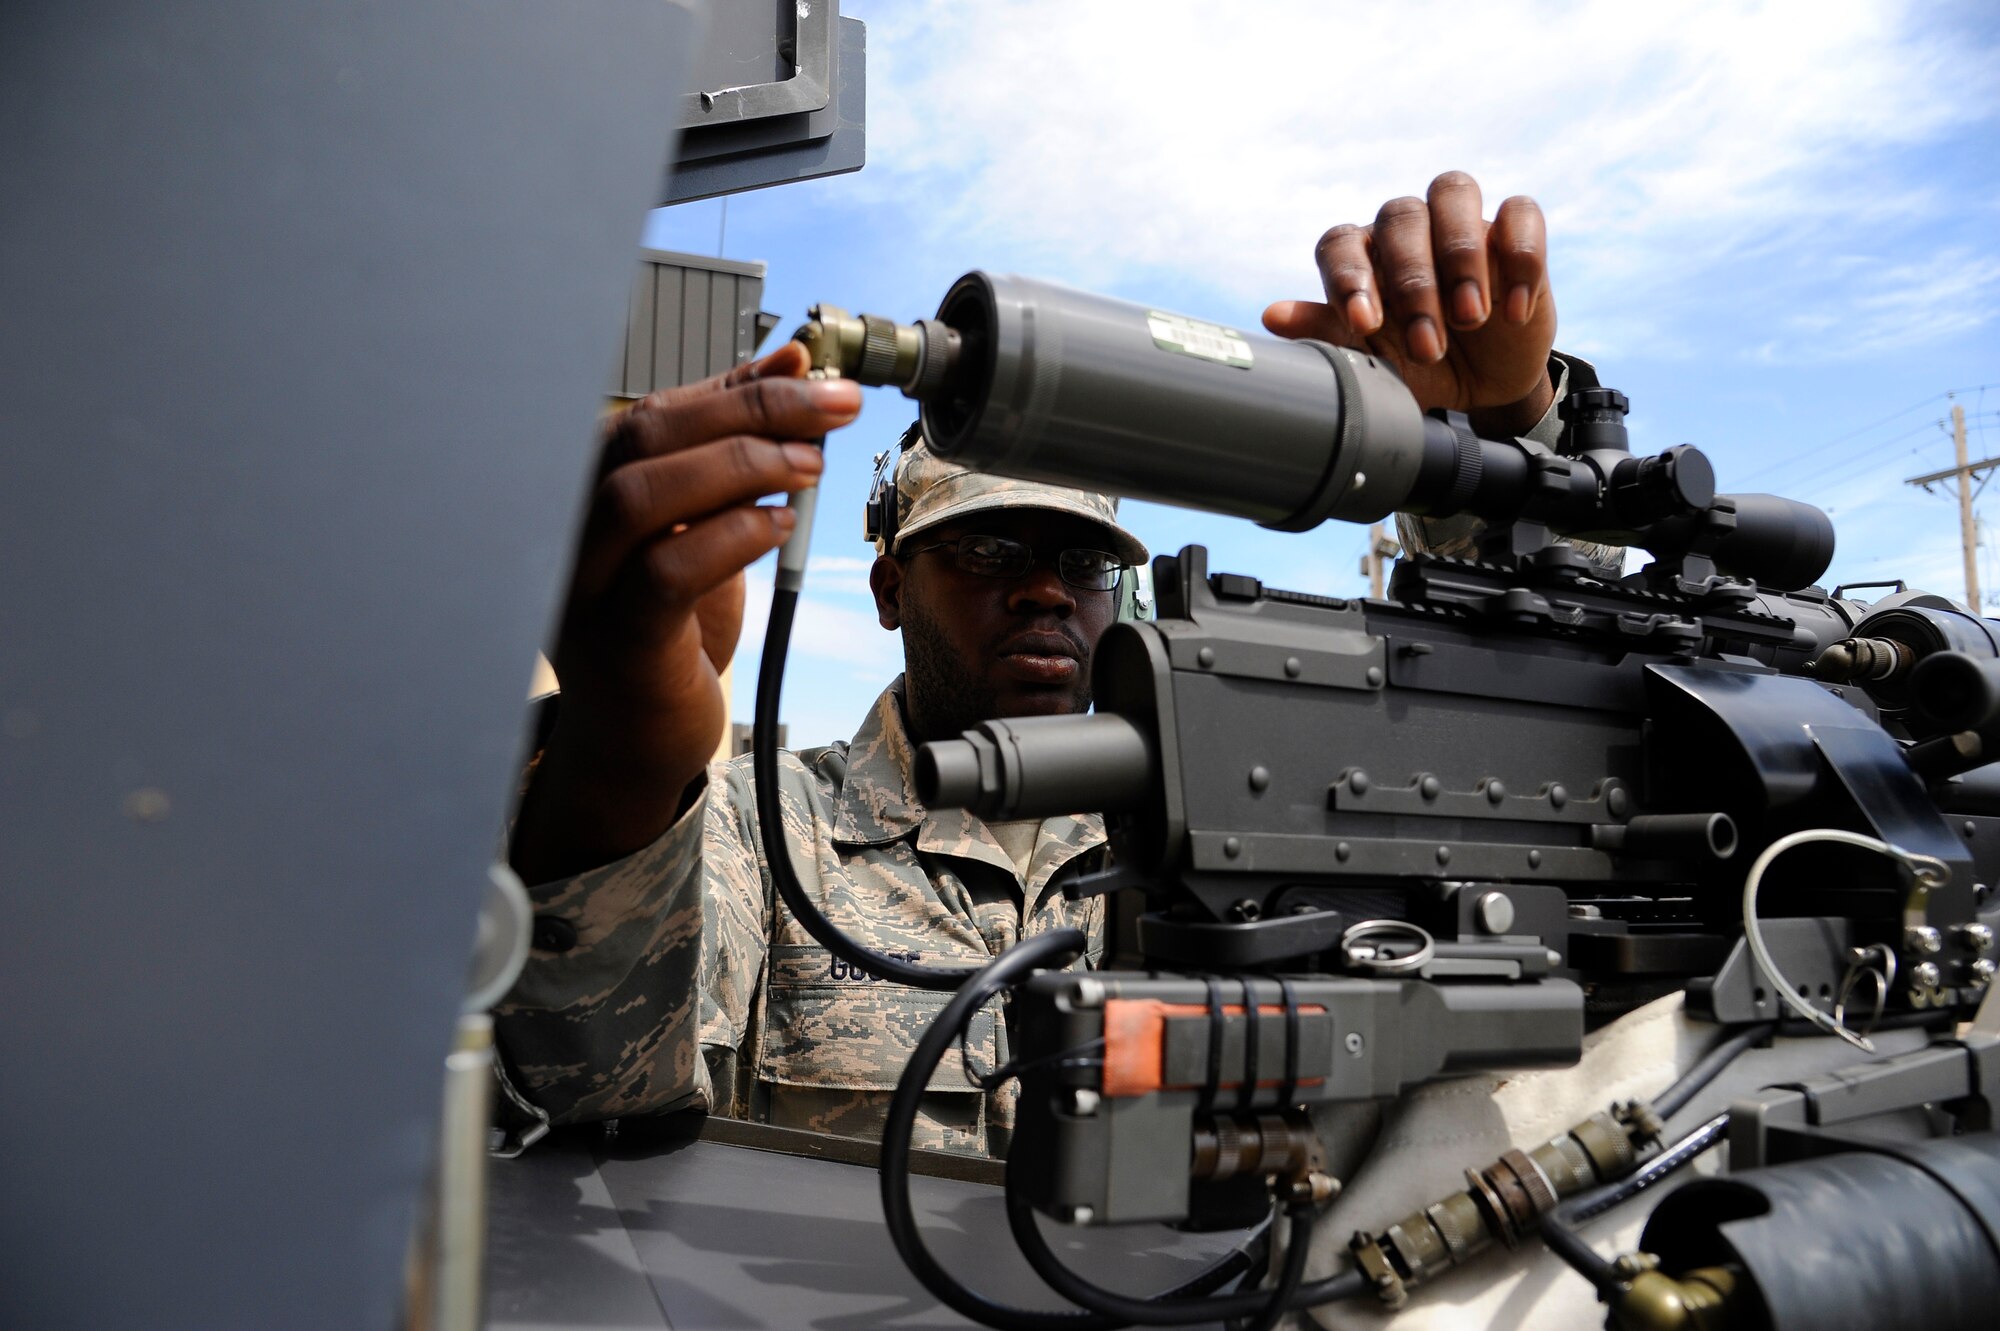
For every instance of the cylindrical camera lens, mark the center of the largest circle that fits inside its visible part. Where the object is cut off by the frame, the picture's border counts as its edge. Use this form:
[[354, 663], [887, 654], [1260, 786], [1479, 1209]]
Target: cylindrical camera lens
[[1074, 389], [1039, 766]]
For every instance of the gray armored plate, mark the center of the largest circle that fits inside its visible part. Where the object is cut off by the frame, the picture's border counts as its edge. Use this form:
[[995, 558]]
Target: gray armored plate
[[308, 313], [702, 1234]]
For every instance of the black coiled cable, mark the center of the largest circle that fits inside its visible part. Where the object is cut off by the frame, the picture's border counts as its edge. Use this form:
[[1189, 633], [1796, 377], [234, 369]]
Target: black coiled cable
[[1168, 1311], [771, 822], [1053, 948], [1696, 1079]]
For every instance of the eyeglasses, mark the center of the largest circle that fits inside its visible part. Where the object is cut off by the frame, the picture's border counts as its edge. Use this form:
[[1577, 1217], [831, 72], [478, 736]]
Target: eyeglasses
[[998, 557]]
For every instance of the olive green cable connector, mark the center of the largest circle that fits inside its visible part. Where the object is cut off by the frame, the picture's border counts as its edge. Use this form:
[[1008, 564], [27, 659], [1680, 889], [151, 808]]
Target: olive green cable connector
[[1505, 1201]]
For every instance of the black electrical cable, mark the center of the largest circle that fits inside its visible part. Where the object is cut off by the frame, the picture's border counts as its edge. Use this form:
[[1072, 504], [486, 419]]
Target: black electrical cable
[[898, 1214], [1001, 973], [1246, 1089], [1076, 1056], [1741, 1039], [1212, 1084], [771, 822], [1692, 1082], [1587, 1206], [1288, 1090], [1745, 1038], [1289, 1279], [1166, 1310], [1559, 1226], [1567, 1244], [1793, 1027]]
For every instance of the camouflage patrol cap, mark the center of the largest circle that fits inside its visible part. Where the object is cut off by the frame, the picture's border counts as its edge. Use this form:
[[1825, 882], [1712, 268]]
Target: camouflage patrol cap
[[931, 491]]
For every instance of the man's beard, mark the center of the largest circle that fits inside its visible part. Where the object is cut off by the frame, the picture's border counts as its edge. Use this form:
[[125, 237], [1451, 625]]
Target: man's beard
[[953, 698]]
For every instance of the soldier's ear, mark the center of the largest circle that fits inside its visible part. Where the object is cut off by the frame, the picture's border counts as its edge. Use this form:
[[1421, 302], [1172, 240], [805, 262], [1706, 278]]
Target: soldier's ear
[[885, 579]]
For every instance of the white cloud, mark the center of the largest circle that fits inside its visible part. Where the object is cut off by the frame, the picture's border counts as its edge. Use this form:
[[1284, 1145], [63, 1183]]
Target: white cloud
[[838, 575], [822, 631], [838, 659], [1667, 142]]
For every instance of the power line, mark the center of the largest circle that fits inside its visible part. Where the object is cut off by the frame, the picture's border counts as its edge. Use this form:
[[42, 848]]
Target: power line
[[1842, 473], [1854, 467], [1815, 453]]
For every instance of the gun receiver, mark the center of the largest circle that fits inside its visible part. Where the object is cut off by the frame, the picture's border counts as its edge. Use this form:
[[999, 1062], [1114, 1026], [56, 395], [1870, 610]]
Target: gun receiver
[[1360, 844]]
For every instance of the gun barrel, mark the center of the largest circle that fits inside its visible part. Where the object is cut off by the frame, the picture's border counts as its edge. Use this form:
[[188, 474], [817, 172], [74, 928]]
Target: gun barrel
[[1040, 766]]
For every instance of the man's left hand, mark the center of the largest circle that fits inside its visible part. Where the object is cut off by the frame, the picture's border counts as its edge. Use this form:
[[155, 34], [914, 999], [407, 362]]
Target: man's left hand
[[1459, 305]]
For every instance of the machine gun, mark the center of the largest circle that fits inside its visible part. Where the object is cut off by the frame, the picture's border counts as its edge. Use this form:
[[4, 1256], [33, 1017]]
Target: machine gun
[[1371, 843]]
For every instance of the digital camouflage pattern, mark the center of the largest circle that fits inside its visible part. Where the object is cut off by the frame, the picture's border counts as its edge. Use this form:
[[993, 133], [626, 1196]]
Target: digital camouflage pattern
[[1458, 536], [691, 986], [931, 491]]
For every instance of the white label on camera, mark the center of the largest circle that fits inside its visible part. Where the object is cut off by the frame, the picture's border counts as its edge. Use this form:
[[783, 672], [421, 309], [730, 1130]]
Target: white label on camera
[[1192, 337]]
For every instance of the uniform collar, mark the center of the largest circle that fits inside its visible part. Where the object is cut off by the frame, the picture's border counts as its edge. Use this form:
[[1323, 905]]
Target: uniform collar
[[877, 804]]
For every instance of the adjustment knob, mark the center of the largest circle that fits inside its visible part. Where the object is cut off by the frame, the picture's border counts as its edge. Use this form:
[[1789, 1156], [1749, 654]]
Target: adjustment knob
[[1585, 403]]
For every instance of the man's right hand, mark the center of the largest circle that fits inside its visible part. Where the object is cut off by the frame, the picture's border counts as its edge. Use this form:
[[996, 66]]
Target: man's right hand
[[656, 601]]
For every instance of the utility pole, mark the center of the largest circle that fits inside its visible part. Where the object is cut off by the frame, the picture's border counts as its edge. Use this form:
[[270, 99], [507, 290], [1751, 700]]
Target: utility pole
[[1968, 529], [1380, 547]]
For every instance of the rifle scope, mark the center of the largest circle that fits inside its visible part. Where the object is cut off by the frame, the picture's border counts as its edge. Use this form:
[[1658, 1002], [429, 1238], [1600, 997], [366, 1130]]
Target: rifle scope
[[1035, 380]]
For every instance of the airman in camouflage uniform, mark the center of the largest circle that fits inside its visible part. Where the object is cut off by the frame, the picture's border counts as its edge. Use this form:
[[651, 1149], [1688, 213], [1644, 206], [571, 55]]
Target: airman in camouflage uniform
[[674, 978]]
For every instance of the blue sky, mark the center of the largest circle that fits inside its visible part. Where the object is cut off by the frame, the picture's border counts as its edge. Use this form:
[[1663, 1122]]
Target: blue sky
[[1775, 226]]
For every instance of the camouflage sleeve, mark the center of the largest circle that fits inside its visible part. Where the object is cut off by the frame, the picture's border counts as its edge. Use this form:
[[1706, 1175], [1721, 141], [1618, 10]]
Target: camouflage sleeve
[[1458, 536], [736, 939], [611, 1013]]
